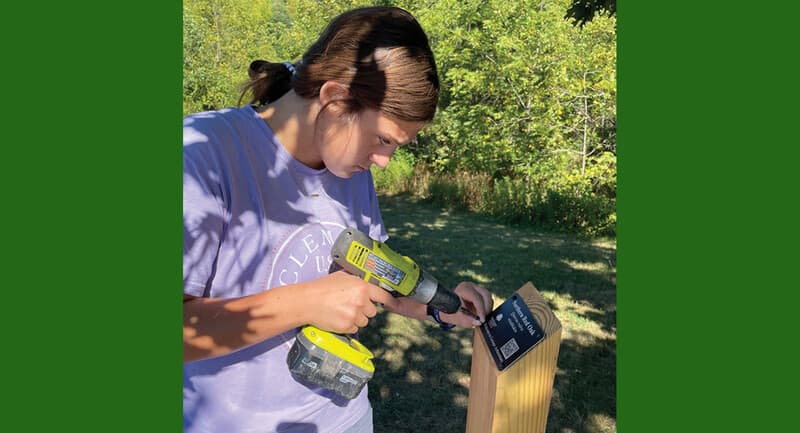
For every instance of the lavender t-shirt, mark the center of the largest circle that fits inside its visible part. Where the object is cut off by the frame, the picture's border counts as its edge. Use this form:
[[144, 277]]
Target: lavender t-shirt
[[255, 218]]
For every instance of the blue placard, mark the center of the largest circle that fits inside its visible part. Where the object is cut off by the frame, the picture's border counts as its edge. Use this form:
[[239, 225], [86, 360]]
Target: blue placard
[[510, 331]]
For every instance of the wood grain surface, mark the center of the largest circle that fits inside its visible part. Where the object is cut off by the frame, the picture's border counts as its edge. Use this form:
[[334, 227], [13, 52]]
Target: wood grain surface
[[516, 400]]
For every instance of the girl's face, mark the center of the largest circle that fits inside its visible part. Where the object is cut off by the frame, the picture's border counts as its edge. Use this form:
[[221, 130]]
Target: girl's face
[[349, 147]]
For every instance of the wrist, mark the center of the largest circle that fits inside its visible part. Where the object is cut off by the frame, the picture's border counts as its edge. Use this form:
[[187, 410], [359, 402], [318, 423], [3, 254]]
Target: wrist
[[434, 315], [286, 301]]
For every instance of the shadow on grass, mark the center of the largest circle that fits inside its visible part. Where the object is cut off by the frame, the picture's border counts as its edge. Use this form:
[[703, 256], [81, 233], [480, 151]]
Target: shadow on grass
[[416, 389], [427, 389], [584, 399]]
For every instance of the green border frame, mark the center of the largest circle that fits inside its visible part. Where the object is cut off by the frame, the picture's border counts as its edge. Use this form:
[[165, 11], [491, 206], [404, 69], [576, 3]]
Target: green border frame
[[92, 216], [707, 95], [706, 235]]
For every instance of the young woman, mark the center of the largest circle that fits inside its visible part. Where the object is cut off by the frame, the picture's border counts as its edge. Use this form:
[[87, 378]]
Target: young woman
[[267, 188]]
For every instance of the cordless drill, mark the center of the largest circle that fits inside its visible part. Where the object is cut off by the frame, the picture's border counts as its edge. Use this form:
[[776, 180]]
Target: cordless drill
[[339, 362]]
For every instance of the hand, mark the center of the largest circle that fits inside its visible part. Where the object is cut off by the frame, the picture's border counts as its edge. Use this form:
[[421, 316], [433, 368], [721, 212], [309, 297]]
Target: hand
[[342, 303], [474, 298]]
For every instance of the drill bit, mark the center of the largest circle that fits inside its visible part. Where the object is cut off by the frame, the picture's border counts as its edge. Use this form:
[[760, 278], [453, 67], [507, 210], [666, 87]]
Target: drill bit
[[469, 313]]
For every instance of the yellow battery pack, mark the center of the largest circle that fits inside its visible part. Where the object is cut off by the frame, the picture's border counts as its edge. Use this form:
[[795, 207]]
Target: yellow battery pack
[[332, 361]]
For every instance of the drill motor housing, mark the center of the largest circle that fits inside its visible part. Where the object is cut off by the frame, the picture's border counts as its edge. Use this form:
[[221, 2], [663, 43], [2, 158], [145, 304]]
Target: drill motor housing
[[378, 264], [341, 363]]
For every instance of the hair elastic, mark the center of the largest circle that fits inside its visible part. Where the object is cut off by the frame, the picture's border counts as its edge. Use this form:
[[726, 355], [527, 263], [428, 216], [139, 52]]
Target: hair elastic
[[290, 67]]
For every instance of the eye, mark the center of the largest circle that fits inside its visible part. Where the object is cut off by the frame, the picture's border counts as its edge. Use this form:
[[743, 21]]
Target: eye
[[384, 141]]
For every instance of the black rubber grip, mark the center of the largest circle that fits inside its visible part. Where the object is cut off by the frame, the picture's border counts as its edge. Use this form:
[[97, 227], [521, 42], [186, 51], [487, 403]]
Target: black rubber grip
[[445, 301]]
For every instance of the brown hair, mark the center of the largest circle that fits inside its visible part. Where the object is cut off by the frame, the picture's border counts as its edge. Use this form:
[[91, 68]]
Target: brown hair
[[381, 54]]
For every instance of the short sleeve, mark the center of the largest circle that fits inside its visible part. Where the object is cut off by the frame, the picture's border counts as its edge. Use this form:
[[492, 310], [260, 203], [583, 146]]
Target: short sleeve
[[203, 214]]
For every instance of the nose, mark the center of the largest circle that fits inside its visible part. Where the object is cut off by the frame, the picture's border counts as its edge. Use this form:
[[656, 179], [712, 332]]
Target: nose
[[380, 160]]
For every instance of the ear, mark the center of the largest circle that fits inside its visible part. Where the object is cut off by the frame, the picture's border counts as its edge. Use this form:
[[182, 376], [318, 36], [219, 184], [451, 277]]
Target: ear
[[332, 91]]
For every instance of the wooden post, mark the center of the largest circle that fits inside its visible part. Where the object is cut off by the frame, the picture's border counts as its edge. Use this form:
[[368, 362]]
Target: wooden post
[[516, 400]]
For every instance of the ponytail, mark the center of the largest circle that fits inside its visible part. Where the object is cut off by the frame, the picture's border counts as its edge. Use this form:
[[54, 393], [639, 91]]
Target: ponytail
[[268, 81]]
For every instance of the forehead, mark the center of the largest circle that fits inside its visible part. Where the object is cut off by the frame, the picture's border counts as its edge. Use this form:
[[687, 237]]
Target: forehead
[[400, 131]]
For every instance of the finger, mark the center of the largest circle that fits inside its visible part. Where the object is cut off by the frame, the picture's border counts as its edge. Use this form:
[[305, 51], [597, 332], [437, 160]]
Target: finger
[[488, 302], [484, 299], [470, 320], [469, 293], [460, 319], [369, 310], [469, 310], [376, 294], [362, 321]]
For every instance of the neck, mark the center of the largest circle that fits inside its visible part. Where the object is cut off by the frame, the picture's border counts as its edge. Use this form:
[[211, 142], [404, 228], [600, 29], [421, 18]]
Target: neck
[[292, 119]]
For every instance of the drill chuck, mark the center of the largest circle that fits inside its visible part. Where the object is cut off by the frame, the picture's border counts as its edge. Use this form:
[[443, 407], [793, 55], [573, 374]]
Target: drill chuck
[[431, 292], [445, 301]]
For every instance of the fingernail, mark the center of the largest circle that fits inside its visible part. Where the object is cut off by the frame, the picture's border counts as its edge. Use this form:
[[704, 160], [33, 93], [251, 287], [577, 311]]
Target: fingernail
[[476, 323]]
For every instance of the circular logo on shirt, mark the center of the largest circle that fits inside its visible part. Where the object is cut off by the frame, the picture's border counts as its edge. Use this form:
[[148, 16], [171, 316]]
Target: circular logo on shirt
[[304, 255]]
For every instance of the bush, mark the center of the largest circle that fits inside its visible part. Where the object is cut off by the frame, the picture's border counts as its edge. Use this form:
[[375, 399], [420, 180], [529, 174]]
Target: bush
[[398, 176], [465, 191], [566, 203]]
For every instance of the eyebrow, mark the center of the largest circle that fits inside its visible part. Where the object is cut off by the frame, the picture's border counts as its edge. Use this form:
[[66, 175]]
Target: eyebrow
[[398, 143], [392, 140]]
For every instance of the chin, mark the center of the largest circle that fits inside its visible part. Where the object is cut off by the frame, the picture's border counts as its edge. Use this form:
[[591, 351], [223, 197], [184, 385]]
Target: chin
[[344, 174]]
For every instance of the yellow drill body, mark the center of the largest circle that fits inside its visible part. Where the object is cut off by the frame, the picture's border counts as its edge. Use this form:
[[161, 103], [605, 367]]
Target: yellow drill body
[[339, 362]]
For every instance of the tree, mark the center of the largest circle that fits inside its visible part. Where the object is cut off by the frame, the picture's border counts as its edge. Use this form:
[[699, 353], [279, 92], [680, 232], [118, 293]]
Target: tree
[[583, 11], [524, 93], [221, 38]]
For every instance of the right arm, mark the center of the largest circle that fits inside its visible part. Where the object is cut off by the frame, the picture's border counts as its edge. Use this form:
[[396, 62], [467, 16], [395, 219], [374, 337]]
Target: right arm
[[338, 302]]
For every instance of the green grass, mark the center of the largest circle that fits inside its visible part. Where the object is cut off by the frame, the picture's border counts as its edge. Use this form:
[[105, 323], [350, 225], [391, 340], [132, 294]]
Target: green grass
[[421, 382]]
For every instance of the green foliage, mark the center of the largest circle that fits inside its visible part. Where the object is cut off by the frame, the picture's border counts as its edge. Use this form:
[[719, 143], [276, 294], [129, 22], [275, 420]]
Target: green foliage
[[568, 206], [583, 11], [221, 38], [564, 203], [527, 107], [520, 85], [461, 191], [398, 176]]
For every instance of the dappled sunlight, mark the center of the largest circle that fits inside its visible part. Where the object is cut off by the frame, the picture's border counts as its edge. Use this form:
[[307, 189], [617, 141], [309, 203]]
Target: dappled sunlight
[[471, 275], [407, 235], [437, 224], [464, 381], [584, 332], [416, 357], [429, 370], [600, 422], [527, 243], [458, 377], [461, 400], [565, 303], [587, 266], [413, 376], [579, 319]]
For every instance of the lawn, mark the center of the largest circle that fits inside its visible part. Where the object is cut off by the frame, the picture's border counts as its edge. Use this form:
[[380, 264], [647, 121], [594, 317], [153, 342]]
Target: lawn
[[421, 382]]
